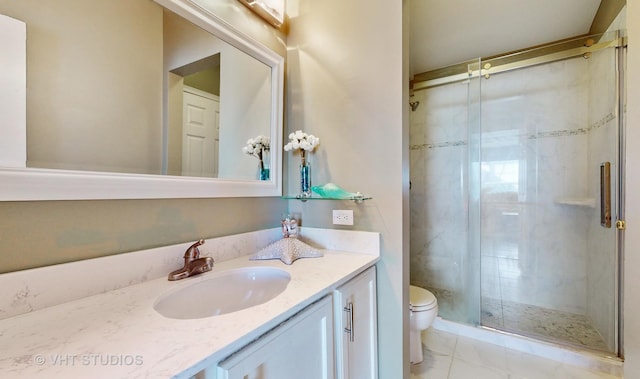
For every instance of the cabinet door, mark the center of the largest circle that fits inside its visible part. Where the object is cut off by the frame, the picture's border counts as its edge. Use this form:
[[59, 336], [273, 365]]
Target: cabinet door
[[356, 328], [302, 347]]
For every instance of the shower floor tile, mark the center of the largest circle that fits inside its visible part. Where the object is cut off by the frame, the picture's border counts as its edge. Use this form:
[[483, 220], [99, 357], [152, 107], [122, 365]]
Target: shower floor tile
[[523, 319], [542, 323]]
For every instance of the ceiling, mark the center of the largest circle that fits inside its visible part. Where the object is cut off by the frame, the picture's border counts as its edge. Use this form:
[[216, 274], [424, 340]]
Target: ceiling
[[445, 32]]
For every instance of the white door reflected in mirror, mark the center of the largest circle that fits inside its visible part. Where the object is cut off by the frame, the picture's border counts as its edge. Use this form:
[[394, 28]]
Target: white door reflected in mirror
[[200, 133]]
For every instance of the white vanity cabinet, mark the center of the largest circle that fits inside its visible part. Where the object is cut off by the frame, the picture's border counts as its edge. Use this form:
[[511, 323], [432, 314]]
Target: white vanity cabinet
[[301, 347], [356, 328], [335, 337]]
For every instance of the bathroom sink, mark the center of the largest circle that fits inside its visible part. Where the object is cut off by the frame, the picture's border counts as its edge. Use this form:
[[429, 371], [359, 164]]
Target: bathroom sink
[[226, 292]]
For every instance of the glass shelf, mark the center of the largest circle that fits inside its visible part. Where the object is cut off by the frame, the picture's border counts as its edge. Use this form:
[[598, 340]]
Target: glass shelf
[[358, 199]]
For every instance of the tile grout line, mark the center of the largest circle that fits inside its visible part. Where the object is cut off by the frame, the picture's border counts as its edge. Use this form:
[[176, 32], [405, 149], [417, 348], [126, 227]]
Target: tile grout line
[[453, 356]]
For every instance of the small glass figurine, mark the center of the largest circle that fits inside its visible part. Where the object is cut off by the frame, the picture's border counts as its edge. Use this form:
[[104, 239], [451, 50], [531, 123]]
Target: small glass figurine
[[289, 226]]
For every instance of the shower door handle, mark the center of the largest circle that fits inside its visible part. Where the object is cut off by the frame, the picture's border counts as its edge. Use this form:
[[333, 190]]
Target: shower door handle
[[605, 194]]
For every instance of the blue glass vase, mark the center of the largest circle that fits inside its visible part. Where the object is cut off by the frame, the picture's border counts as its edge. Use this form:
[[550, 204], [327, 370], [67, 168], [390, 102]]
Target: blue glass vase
[[305, 179], [264, 173], [263, 166]]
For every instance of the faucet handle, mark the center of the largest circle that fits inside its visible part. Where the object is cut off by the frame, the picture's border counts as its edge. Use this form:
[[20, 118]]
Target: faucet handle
[[193, 252]]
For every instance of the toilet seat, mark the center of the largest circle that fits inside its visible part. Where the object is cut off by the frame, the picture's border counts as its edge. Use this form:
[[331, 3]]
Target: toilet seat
[[421, 300]]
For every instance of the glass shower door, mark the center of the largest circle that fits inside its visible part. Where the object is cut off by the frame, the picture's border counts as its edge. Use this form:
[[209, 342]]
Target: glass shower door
[[548, 268], [444, 248]]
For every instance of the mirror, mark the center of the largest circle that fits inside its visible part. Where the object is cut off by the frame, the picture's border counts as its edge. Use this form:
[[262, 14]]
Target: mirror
[[131, 93]]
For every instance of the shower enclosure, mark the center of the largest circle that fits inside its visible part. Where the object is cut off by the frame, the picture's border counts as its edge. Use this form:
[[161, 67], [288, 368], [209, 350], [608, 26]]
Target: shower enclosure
[[515, 168]]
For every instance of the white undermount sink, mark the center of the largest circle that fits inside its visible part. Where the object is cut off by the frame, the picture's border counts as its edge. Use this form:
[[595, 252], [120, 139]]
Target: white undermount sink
[[223, 292]]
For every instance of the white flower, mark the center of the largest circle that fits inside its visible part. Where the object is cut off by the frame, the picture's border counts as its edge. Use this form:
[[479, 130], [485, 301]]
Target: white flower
[[301, 140], [255, 146]]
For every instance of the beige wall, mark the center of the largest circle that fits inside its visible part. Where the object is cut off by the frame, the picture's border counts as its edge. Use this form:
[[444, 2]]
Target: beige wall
[[245, 108], [71, 46], [632, 234], [205, 80], [175, 88], [345, 86], [36, 233]]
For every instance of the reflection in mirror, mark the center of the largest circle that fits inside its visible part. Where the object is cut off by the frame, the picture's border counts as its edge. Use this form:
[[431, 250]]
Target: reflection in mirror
[[126, 86], [215, 93], [194, 118]]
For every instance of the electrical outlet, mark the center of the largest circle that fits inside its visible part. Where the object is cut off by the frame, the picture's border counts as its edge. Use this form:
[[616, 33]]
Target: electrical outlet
[[343, 217]]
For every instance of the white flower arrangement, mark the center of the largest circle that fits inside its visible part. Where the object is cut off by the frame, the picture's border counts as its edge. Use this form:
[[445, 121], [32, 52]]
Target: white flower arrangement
[[255, 146], [302, 141]]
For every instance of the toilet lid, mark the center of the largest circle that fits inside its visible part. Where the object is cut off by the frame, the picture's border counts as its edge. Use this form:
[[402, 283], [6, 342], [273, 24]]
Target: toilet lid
[[420, 298]]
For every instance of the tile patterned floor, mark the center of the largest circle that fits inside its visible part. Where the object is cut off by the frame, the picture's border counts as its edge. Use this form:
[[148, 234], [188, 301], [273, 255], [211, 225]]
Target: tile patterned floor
[[449, 356]]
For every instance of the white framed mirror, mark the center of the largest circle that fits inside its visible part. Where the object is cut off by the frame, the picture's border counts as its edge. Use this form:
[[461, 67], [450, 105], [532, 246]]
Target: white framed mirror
[[61, 149]]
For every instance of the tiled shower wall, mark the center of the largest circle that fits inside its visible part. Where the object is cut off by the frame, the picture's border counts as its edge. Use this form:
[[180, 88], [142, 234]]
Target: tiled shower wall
[[438, 156], [538, 192]]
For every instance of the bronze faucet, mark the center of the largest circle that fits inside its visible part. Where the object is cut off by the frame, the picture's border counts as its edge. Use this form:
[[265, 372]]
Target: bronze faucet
[[193, 264]]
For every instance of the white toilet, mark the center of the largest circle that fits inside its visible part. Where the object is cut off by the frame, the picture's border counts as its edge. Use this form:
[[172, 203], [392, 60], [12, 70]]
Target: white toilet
[[423, 309]]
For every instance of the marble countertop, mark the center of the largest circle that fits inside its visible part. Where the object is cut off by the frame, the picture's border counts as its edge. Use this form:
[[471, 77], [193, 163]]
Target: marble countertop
[[118, 334]]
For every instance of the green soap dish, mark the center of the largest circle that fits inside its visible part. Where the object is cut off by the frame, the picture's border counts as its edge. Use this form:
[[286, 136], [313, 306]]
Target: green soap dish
[[332, 191]]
